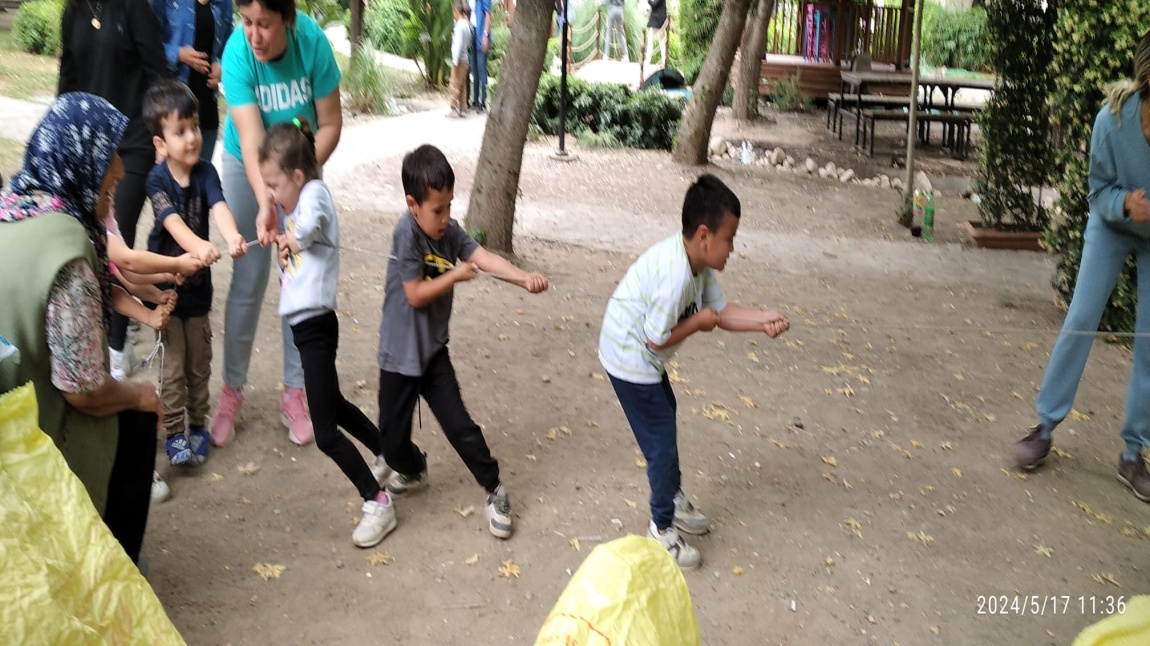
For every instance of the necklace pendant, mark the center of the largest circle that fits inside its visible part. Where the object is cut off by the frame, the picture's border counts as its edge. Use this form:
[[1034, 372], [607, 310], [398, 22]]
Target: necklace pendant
[[95, 23]]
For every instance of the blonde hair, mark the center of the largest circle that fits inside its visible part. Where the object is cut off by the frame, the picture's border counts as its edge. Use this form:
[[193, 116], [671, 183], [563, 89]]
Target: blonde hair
[[1118, 93]]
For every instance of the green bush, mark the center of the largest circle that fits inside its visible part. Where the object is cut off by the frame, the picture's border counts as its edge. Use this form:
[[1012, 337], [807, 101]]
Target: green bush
[[956, 38], [324, 12], [788, 96], [383, 26], [1093, 46], [500, 37], [612, 113], [589, 30], [427, 29], [366, 87], [36, 28], [698, 22]]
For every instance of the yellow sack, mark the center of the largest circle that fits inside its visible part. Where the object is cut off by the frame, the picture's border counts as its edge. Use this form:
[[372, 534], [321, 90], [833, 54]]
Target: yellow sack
[[628, 592], [66, 579], [1131, 628]]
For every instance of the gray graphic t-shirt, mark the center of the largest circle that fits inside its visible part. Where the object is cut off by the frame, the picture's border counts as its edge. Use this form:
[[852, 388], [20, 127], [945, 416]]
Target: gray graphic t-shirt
[[408, 337]]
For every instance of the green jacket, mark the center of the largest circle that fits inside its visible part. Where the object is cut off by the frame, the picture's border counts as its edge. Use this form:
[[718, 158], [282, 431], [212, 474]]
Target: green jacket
[[35, 251]]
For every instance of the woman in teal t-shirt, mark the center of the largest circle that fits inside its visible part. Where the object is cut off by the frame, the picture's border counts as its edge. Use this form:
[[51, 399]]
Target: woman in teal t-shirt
[[280, 66]]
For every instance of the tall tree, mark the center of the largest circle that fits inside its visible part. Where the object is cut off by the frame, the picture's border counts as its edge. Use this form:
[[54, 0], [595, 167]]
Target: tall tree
[[695, 131], [751, 53], [492, 206]]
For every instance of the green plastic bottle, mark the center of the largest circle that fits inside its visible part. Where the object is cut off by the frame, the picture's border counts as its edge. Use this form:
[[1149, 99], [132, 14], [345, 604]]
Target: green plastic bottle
[[928, 218]]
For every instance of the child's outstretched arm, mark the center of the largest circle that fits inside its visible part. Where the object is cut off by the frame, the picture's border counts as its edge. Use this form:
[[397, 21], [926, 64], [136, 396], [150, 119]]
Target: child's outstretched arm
[[704, 320], [156, 319], [501, 268], [202, 249], [139, 262], [226, 222], [421, 292], [736, 318]]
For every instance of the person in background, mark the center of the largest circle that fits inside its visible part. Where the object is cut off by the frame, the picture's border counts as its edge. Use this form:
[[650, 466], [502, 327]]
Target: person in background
[[113, 49], [279, 67], [57, 314], [481, 21], [195, 32], [657, 30], [615, 29], [460, 46]]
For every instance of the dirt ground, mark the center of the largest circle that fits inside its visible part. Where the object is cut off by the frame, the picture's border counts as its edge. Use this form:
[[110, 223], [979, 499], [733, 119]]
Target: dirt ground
[[883, 519]]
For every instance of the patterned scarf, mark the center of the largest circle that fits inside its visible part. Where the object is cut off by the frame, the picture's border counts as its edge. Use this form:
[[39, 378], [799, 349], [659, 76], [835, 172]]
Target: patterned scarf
[[64, 167]]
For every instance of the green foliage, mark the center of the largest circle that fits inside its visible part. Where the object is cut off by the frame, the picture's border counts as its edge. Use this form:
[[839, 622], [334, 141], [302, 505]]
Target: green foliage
[[606, 140], [1016, 147], [427, 28], [324, 12], [957, 37], [500, 37], [478, 234], [366, 87], [698, 22], [648, 119], [1093, 46], [589, 30], [788, 96], [36, 28], [383, 26]]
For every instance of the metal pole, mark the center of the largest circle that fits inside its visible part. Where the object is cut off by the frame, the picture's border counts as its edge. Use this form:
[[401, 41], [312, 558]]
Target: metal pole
[[563, 81]]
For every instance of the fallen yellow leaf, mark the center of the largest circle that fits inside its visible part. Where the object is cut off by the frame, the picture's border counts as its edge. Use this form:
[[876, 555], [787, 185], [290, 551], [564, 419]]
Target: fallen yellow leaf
[[268, 571], [748, 402], [379, 558], [831, 461], [829, 561], [920, 537], [575, 543], [737, 571], [956, 471], [1043, 550], [509, 569], [215, 477], [247, 469], [472, 560], [916, 444], [465, 511]]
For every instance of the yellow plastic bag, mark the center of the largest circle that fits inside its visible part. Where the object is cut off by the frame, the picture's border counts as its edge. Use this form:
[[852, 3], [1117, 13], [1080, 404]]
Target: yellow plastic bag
[[630, 592], [66, 579], [1131, 628]]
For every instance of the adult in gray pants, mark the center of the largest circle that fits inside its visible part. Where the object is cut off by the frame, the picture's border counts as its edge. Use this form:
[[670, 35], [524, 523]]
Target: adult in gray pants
[[615, 29]]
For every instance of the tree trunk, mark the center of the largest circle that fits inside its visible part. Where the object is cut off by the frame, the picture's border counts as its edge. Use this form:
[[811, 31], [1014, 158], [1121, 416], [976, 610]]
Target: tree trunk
[[492, 207], [695, 130], [751, 53], [905, 214], [356, 31]]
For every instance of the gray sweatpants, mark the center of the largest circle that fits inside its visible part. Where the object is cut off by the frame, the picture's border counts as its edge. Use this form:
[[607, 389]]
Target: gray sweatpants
[[616, 30]]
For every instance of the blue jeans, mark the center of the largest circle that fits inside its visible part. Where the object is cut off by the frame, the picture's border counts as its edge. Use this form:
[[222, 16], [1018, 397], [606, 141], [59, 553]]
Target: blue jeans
[[1104, 253], [249, 283], [650, 409], [478, 70]]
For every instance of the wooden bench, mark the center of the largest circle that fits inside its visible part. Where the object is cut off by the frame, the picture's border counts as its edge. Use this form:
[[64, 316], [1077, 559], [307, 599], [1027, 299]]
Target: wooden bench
[[11, 5], [956, 133], [839, 106]]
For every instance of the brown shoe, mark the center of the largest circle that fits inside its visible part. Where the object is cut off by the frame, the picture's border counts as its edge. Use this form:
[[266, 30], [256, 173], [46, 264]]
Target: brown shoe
[[1133, 474], [1031, 451]]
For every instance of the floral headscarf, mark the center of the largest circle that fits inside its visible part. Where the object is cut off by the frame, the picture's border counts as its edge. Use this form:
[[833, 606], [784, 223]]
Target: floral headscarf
[[64, 167]]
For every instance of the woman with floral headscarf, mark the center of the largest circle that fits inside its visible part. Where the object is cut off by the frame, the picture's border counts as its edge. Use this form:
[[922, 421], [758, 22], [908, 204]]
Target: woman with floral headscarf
[[56, 293]]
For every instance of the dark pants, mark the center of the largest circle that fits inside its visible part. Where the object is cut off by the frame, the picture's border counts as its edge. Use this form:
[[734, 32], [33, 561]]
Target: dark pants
[[650, 409], [317, 339], [398, 395], [128, 202], [130, 485], [478, 63]]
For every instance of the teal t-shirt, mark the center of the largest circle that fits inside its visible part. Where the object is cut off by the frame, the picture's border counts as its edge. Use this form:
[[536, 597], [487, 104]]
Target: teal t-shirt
[[284, 89]]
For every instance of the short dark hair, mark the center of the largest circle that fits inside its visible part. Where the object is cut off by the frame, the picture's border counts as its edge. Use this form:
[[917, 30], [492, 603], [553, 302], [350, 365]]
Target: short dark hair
[[463, 8], [285, 8], [707, 201], [424, 169], [164, 99], [292, 146]]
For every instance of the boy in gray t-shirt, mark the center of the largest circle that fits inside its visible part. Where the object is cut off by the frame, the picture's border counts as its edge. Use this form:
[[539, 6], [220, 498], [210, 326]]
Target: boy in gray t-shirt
[[430, 252]]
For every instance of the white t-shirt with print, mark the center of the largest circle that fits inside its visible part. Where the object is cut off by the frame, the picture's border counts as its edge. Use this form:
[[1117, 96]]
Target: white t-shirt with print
[[657, 292]]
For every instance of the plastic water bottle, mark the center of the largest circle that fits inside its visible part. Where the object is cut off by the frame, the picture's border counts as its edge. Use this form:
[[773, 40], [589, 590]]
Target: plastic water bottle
[[748, 153], [918, 212], [928, 218], [8, 351]]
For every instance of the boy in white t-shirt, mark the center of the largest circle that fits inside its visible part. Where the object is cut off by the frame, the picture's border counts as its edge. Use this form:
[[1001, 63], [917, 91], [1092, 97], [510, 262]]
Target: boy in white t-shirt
[[667, 295]]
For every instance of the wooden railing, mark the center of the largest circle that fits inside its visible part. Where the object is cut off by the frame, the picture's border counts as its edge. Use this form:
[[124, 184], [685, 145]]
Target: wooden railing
[[832, 31]]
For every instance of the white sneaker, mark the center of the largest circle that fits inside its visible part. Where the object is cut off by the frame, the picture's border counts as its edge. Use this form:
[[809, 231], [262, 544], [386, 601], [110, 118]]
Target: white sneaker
[[160, 490], [688, 518], [121, 362], [686, 556], [380, 470], [378, 521], [498, 511]]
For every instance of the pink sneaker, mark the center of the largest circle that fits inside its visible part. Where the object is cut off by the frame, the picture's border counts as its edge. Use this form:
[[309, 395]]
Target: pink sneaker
[[294, 415], [224, 421]]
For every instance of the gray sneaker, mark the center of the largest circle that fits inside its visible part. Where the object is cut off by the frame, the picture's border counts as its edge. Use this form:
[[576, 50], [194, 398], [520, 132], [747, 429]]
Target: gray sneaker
[[1031, 451], [686, 556], [1133, 474], [688, 518], [400, 484], [498, 511]]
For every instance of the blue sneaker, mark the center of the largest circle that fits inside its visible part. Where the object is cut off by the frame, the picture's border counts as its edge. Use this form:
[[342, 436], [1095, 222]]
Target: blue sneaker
[[179, 452], [199, 440]]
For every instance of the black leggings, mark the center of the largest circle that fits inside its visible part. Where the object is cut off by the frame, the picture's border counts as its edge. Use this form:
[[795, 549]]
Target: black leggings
[[398, 395], [317, 339], [130, 485], [129, 201]]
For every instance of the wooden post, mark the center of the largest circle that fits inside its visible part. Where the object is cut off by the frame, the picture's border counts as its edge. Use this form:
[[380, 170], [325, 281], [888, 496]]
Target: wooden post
[[905, 22], [905, 217]]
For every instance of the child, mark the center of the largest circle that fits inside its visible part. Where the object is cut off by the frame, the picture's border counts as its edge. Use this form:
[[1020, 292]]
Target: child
[[460, 46], [669, 293], [430, 253], [183, 191], [309, 280]]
